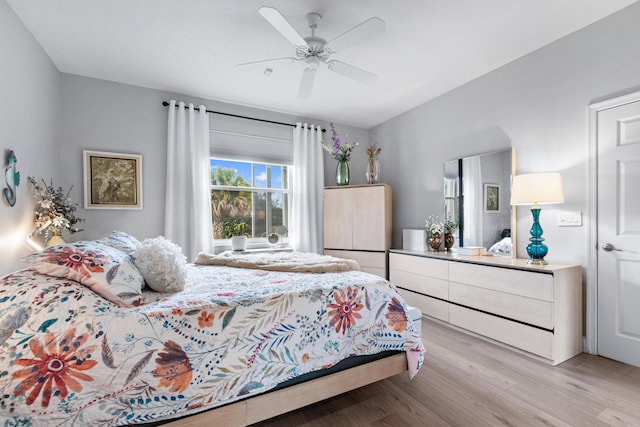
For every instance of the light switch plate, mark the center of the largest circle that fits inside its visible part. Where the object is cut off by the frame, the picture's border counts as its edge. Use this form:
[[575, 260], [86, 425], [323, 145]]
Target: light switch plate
[[570, 219]]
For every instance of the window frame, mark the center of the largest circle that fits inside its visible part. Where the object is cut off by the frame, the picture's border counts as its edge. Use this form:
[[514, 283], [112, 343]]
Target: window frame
[[256, 241]]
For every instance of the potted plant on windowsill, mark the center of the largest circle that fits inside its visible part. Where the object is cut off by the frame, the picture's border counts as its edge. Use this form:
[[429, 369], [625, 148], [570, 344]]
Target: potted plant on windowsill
[[236, 232]]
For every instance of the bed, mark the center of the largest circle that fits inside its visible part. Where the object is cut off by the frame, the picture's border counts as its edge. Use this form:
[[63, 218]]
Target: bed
[[82, 343]]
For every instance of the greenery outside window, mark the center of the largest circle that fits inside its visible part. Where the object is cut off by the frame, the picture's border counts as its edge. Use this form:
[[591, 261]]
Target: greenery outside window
[[254, 194]]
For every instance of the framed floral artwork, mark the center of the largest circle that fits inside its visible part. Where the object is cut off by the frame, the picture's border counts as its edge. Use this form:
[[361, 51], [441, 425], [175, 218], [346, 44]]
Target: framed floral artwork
[[492, 198], [112, 180]]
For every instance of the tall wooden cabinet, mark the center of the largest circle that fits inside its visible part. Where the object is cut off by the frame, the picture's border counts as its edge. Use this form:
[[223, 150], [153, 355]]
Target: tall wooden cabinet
[[357, 225]]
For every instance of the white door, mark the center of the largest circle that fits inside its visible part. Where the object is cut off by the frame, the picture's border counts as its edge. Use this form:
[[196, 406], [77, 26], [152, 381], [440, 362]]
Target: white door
[[619, 232]]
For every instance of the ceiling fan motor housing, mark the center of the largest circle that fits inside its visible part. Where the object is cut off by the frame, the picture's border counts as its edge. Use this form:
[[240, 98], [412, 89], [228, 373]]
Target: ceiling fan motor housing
[[315, 45]]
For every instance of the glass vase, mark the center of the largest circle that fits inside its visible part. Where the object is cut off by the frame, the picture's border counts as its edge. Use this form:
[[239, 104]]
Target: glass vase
[[56, 238], [342, 172], [449, 239], [373, 170], [434, 241]]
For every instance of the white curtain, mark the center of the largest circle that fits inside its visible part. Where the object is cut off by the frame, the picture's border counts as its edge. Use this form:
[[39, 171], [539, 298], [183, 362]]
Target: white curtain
[[188, 191], [472, 190], [305, 229]]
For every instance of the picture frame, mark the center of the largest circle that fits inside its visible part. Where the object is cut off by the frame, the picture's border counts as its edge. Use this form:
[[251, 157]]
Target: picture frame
[[492, 198], [112, 180]]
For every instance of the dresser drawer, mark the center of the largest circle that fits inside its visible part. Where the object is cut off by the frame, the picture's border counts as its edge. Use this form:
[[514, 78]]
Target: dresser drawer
[[527, 338], [438, 288], [420, 265], [430, 306], [364, 258], [370, 262], [528, 310], [508, 280], [374, 270]]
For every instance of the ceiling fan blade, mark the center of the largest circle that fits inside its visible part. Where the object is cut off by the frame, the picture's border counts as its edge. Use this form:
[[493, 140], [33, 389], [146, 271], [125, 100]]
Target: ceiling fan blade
[[352, 72], [267, 62], [357, 34], [306, 83], [279, 23]]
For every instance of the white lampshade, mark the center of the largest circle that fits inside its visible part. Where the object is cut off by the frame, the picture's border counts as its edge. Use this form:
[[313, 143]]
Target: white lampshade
[[537, 188]]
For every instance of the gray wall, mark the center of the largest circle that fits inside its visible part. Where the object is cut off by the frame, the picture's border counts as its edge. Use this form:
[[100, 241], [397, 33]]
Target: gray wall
[[104, 116], [107, 116], [537, 104], [30, 124]]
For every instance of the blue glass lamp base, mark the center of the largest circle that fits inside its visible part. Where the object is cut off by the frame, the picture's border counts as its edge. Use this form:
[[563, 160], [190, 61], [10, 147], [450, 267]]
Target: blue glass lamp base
[[536, 249]]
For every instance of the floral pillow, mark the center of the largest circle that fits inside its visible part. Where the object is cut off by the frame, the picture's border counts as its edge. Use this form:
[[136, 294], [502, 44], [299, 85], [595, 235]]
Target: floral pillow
[[122, 241], [107, 271]]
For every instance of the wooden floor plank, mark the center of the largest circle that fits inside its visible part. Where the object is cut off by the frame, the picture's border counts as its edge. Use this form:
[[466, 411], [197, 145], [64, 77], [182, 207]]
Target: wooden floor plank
[[469, 381]]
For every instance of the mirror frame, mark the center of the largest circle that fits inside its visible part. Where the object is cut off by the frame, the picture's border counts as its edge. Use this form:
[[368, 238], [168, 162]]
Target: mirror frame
[[460, 203]]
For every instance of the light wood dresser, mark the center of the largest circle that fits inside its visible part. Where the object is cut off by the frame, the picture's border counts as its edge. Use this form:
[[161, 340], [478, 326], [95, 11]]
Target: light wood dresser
[[535, 309], [357, 225]]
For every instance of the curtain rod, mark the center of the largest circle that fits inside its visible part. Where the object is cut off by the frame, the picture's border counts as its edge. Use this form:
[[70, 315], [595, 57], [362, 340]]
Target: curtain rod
[[166, 104]]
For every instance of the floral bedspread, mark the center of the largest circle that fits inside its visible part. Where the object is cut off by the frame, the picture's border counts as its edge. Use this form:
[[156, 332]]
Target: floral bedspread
[[70, 357]]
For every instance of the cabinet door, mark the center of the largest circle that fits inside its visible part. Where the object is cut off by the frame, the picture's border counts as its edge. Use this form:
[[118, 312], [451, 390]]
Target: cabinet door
[[338, 218], [369, 218]]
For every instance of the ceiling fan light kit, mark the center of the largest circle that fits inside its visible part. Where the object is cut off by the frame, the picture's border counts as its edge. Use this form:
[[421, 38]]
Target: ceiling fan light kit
[[314, 50]]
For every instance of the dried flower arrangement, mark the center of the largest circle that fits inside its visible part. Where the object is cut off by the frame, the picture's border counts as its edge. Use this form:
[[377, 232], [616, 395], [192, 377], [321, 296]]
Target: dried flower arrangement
[[54, 206], [434, 225], [338, 150]]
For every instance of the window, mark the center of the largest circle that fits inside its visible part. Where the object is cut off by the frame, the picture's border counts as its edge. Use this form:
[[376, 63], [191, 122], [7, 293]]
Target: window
[[253, 194]]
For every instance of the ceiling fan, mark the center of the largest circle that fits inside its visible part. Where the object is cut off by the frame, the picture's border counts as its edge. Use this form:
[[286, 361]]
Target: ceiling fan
[[314, 50]]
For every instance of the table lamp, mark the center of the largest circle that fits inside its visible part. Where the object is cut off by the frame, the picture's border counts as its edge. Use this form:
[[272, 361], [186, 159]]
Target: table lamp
[[537, 189]]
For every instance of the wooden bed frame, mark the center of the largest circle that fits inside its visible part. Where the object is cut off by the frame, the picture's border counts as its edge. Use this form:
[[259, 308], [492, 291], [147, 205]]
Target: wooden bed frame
[[271, 404]]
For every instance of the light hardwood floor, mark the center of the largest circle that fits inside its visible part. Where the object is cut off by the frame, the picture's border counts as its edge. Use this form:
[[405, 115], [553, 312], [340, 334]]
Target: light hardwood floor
[[467, 381]]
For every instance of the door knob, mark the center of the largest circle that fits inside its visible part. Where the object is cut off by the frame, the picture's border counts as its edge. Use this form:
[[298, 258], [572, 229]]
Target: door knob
[[608, 247]]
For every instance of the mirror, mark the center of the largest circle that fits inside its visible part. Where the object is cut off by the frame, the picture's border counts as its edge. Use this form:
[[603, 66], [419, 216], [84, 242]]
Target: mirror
[[477, 194]]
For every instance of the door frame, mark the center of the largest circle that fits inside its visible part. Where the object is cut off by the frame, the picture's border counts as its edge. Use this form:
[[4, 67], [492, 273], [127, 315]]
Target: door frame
[[591, 344]]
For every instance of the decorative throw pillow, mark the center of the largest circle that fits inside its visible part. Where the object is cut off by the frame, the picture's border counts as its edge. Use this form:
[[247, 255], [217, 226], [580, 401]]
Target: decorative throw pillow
[[107, 271], [162, 264], [122, 241]]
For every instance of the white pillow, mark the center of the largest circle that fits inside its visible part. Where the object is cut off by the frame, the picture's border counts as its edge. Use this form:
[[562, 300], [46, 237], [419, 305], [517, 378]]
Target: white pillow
[[503, 246], [162, 264]]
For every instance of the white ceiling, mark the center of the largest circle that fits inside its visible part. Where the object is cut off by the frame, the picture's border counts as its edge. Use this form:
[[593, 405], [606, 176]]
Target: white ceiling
[[191, 46]]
